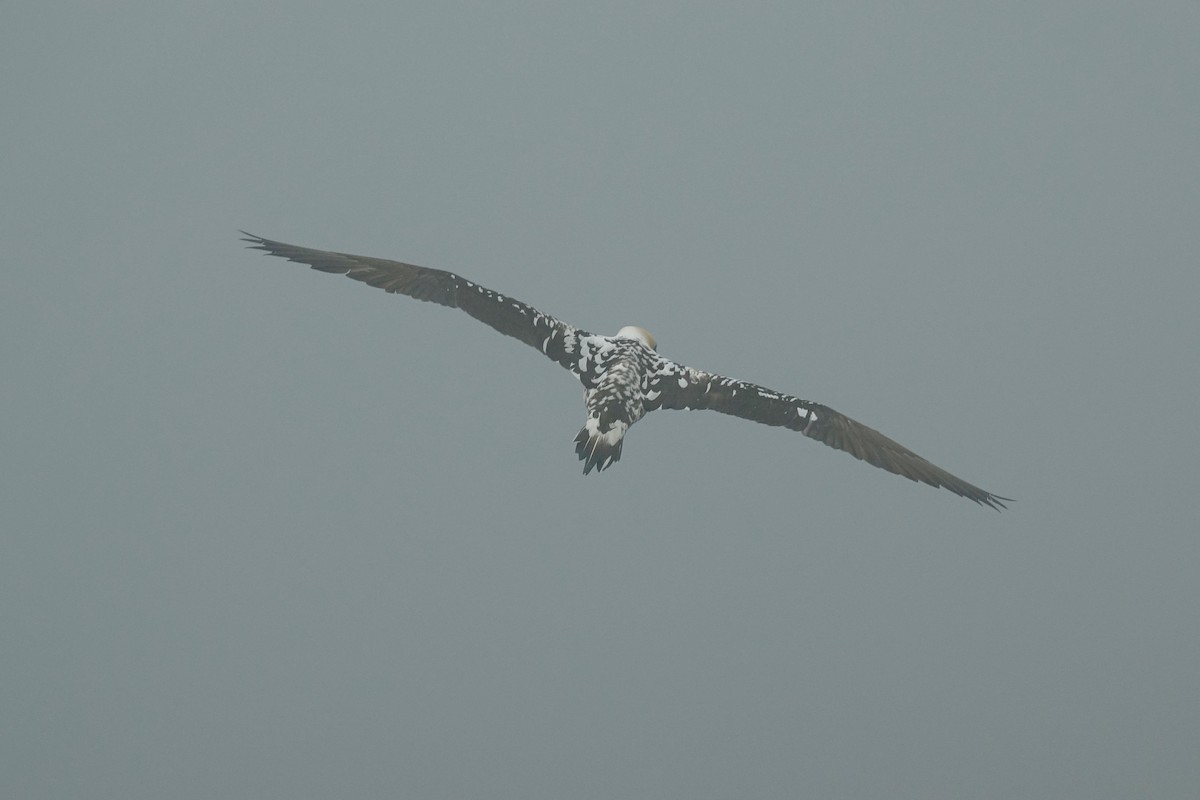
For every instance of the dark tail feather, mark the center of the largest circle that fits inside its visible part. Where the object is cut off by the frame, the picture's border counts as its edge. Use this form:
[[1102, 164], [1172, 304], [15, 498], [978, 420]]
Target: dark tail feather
[[595, 453]]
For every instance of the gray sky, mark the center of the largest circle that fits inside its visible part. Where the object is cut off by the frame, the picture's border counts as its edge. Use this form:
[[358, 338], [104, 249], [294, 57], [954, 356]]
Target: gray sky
[[269, 533]]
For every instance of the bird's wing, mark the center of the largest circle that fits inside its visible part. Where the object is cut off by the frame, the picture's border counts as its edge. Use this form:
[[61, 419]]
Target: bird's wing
[[675, 386], [556, 339]]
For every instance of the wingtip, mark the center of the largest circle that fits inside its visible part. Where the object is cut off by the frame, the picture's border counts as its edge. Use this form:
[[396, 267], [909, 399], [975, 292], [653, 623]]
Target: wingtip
[[995, 502]]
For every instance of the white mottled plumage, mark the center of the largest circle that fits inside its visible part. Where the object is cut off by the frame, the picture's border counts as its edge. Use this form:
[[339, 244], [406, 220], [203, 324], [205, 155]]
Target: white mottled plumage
[[623, 376]]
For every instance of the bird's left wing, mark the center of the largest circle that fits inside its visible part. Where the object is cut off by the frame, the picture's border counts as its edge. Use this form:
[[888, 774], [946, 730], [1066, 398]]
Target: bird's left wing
[[674, 386], [556, 339]]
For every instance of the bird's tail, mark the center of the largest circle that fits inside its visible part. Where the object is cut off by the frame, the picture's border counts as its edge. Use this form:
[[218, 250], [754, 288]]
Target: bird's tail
[[598, 450]]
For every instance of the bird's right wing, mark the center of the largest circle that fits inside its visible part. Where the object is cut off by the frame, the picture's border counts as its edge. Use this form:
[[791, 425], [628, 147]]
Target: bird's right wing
[[675, 386], [556, 339]]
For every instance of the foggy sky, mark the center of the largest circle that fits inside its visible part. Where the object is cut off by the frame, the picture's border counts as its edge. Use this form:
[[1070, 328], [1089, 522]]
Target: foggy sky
[[269, 533]]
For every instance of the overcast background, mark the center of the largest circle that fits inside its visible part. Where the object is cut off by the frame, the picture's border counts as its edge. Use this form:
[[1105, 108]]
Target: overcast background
[[268, 533]]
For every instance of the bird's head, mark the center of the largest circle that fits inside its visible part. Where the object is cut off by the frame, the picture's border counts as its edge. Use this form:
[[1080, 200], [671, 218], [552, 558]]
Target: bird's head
[[641, 334]]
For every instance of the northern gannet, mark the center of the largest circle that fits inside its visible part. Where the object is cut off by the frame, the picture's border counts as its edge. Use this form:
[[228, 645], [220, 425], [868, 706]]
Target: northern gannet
[[624, 377]]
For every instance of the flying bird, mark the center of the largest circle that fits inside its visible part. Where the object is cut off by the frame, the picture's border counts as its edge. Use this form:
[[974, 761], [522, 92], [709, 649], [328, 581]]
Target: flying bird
[[624, 377]]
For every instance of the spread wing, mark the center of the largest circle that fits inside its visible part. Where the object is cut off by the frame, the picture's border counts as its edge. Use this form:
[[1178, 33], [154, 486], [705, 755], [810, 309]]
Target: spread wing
[[675, 386], [556, 339]]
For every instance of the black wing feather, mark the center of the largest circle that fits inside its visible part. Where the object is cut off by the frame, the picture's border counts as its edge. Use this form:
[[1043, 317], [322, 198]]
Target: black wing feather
[[682, 387], [557, 339]]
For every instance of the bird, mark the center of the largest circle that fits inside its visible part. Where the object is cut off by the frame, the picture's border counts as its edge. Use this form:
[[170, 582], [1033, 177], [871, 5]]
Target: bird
[[623, 376]]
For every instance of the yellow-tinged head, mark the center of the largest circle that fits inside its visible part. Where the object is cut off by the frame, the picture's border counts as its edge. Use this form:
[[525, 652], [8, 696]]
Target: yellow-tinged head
[[641, 334]]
